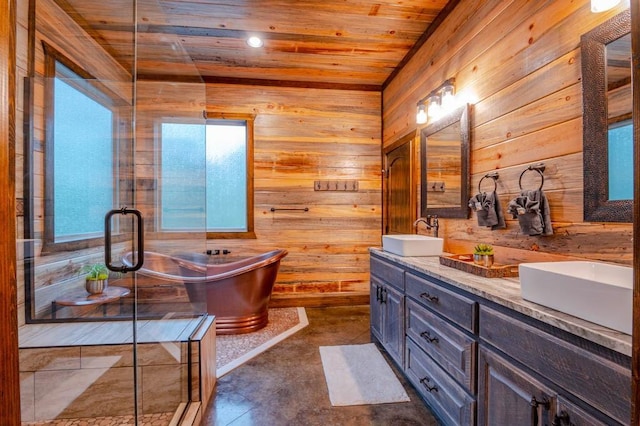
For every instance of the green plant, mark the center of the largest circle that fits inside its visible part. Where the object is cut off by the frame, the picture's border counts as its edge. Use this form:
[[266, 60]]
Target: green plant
[[483, 249], [96, 271]]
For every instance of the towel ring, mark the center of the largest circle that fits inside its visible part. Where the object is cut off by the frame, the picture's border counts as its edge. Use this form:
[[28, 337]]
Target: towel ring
[[539, 169], [493, 176]]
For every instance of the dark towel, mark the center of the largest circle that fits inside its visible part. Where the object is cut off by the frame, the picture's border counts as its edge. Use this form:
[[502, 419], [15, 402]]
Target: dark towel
[[531, 208], [488, 210]]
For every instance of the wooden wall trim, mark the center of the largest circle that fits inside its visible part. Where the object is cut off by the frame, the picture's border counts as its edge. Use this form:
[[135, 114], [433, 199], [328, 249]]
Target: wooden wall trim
[[635, 65], [9, 365]]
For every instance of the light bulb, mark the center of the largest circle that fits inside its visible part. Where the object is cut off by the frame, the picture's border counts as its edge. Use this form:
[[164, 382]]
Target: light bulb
[[421, 116], [255, 41], [448, 98], [433, 110]]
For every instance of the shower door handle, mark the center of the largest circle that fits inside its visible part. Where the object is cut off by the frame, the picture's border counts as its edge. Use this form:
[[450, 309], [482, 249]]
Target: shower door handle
[[107, 240]]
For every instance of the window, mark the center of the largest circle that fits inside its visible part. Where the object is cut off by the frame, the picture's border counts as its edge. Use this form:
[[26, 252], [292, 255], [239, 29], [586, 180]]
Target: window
[[206, 177], [80, 157], [620, 156]]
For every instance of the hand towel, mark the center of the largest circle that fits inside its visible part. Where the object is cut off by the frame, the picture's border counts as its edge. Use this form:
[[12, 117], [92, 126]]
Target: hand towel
[[488, 210], [531, 208]]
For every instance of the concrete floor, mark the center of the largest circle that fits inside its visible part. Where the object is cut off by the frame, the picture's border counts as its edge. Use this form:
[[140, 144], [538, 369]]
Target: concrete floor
[[286, 386]]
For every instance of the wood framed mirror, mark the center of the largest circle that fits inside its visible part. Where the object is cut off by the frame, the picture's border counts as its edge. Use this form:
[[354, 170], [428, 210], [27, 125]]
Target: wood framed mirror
[[607, 121], [444, 165]]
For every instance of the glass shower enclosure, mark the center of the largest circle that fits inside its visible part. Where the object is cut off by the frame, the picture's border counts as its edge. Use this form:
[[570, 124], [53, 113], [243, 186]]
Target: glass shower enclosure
[[113, 177]]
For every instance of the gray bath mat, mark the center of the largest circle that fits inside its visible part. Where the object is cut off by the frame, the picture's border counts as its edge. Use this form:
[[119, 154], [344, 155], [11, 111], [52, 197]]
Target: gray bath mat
[[359, 375]]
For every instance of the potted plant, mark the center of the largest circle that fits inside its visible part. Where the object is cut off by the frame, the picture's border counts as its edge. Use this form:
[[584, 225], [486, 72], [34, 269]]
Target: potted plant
[[96, 278], [483, 255]]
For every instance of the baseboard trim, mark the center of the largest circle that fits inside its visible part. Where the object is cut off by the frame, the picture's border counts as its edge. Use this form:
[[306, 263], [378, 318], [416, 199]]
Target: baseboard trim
[[319, 300]]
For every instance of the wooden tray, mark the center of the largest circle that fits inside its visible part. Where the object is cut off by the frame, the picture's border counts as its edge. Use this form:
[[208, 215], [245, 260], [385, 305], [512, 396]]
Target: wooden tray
[[464, 262]]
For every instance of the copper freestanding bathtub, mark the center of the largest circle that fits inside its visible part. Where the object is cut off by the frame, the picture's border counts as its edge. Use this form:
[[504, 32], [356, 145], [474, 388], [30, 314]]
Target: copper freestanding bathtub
[[237, 292]]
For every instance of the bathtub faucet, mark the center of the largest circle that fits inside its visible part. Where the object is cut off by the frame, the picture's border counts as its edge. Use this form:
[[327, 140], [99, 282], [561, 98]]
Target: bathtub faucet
[[431, 221]]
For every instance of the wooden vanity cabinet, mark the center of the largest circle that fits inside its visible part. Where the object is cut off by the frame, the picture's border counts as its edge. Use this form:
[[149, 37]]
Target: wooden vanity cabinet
[[386, 299], [477, 362]]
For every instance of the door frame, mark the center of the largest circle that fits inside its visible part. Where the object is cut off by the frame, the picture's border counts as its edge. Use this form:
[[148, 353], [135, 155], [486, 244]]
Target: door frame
[[409, 138], [9, 365]]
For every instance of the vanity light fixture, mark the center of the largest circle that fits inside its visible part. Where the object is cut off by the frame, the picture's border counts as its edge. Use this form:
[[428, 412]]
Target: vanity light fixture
[[603, 5], [438, 102], [255, 41]]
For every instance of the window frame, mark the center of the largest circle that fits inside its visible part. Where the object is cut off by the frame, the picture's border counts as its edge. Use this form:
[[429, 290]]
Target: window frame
[[219, 118], [91, 87]]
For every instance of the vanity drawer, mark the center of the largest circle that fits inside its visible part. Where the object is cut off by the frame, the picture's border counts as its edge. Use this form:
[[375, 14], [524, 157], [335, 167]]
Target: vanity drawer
[[601, 383], [387, 272], [455, 307], [449, 401], [448, 346]]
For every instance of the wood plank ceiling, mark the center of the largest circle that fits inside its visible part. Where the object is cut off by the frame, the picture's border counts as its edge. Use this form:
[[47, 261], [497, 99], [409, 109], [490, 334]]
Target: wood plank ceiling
[[307, 43]]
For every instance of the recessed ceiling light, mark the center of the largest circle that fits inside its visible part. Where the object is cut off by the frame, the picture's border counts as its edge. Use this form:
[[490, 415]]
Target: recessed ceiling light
[[255, 41]]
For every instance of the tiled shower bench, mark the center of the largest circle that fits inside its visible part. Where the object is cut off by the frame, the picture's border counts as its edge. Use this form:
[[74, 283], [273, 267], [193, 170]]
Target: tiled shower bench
[[86, 369]]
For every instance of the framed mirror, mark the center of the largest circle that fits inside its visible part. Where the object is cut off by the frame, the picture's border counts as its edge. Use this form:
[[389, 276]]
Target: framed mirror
[[444, 165], [607, 121]]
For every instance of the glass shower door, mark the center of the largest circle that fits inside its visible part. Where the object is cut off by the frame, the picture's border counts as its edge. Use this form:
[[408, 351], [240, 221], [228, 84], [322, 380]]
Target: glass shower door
[[99, 345]]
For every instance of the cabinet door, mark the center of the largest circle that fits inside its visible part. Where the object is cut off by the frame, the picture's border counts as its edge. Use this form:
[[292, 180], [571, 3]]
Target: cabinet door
[[509, 396], [393, 323], [569, 414], [376, 308]]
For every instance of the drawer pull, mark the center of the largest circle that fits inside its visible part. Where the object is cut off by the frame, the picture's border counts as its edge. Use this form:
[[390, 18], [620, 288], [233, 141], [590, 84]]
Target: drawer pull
[[429, 297], [534, 408], [562, 419], [425, 382], [427, 336], [379, 293]]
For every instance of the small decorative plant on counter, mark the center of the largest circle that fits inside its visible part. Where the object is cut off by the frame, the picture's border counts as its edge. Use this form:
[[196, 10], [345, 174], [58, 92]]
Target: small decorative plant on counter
[[483, 255], [96, 278]]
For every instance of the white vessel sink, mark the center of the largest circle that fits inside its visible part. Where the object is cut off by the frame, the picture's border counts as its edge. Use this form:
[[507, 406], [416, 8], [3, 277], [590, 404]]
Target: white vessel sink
[[412, 245], [597, 292]]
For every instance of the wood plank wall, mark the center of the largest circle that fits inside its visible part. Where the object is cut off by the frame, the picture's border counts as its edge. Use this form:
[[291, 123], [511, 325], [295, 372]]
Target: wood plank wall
[[518, 63], [301, 135]]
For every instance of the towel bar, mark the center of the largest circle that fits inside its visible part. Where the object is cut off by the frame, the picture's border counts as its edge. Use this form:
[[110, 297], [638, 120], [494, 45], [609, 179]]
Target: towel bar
[[305, 209]]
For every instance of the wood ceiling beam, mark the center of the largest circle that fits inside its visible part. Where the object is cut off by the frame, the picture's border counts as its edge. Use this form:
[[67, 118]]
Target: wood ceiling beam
[[260, 82]]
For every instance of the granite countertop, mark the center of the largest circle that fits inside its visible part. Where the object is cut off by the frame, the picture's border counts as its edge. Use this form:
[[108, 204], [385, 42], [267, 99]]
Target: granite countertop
[[506, 292]]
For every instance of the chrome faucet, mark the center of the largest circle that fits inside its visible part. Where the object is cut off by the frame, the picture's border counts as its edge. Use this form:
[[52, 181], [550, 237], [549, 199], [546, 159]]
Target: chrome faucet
[[431, 222]]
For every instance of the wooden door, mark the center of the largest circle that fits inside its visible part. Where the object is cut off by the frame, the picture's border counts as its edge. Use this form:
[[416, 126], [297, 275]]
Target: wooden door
[[398, 188], [509, 396]]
